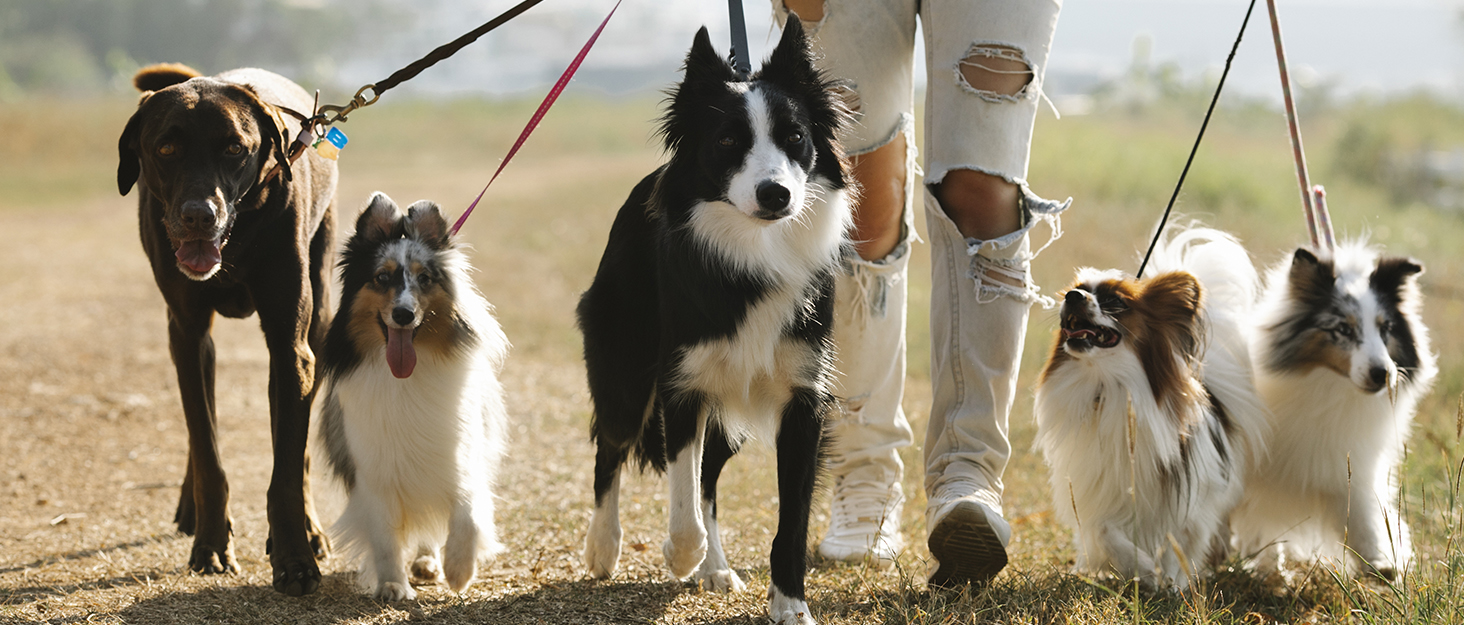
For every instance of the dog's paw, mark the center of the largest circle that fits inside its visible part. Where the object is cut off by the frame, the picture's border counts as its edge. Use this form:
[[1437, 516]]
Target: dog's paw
[[209, 560], [392, 592], [297, 577], [458, 569], [784, 610], [685, 552], [602, 556], [425, 569], [722, 580]]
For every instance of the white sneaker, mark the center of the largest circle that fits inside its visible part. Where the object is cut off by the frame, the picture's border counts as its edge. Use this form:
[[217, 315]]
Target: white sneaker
[[968, 541], [865, 519]]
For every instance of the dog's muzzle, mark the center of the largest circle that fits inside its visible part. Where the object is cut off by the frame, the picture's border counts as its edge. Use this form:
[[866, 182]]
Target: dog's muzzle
[[1079, 332]]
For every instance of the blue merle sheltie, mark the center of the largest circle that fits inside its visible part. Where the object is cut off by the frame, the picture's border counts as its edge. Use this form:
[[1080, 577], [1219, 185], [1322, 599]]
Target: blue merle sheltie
[[708, 322], [413, 421], [1342, 359]]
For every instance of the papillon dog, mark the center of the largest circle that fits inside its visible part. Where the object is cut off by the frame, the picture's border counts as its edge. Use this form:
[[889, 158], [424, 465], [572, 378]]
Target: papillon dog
[[709, 319], [1147, 411], [413, 422], [1342, 358]]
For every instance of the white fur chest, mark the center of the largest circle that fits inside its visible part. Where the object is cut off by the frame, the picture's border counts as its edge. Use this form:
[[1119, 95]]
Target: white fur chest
[[750, 373], [425, 437]]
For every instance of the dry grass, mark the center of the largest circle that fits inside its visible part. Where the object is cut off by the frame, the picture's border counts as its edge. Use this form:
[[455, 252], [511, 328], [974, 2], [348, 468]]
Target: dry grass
[[92, 444]]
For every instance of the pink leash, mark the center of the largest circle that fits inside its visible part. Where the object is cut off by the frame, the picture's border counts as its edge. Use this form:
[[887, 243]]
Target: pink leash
[[538, 115], [1313, 203]]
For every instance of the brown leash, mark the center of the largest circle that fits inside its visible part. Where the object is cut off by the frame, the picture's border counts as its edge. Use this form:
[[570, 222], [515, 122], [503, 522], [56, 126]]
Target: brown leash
[[313, 125]]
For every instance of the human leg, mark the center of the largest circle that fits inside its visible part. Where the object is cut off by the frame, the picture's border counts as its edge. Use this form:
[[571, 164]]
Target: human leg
[[986, 61], [869, 325]]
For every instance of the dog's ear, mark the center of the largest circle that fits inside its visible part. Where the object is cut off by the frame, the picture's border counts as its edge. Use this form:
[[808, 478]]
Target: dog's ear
[[703, 64], [425, 223], [1393, 274], [272, 131], [1172, 302], [129, 167], [791, 63], [1311, 278], [382, 220]]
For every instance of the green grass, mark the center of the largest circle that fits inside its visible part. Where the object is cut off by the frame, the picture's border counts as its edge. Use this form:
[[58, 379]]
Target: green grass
[[76, 270]]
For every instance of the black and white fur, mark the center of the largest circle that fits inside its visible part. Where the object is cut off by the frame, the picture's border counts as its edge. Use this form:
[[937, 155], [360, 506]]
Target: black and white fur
[[1342, 359], [413, 421], [1147, 410], [709, 319]]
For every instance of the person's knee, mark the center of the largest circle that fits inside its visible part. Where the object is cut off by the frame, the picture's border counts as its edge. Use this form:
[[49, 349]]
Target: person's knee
[[808, 11], [983, 206], [879, 216], [995, 71]]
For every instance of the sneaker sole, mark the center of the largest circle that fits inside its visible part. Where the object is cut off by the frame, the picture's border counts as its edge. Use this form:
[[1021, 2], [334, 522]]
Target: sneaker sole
[[967, 548]]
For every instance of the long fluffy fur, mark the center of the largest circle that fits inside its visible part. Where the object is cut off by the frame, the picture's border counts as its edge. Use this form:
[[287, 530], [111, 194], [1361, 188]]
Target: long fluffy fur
[[1146, 420], [1342, 359], [419, 455]]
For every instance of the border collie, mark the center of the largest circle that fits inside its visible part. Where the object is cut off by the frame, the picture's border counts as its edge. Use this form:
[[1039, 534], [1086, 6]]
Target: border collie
[[709, 319], [413, 421], [1342, 359], [1147, 410]]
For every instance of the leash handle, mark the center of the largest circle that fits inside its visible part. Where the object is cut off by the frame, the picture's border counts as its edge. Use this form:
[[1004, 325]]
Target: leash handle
[[1317, 225], [538, 115], [1159, 232], [741, 57]]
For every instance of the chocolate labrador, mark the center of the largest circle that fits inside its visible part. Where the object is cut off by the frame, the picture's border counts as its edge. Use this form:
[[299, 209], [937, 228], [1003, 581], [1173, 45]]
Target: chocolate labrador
[[232, 227]]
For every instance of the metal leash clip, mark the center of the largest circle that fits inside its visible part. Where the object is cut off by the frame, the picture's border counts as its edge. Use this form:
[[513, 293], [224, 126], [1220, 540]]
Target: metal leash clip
[[330, 113]]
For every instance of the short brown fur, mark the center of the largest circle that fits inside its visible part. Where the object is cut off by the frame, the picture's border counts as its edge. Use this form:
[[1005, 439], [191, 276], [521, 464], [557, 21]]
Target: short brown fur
[[277, 251]]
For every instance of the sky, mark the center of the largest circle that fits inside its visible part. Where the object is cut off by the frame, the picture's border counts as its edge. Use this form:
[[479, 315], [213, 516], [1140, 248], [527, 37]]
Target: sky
[[1353, 45]]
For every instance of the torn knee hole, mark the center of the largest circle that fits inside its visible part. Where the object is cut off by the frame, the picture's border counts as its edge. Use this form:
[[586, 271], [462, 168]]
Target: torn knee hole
[[808, 11], [996, 71]]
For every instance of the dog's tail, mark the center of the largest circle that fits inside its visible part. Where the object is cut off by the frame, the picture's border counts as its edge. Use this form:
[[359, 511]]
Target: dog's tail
[[162, 76]]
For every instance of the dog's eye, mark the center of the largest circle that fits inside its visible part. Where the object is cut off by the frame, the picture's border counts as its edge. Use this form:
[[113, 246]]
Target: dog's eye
[[1384, 326], [383, 277], [234, 149], [167, 149], [795, 138], [1111, 303], [424, 279]]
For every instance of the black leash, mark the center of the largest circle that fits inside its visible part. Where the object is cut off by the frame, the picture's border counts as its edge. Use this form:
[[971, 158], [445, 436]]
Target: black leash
[[1158, 232], [741, 58], [330, 114]]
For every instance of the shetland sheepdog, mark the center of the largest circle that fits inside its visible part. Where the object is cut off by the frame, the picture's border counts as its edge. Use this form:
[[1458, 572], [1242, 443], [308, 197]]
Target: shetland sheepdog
[[1147, 410], [708, 321], [1342, 358], [413, 421]]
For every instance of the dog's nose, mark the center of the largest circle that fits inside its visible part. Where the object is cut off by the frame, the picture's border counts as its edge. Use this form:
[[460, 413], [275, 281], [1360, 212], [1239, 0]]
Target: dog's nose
[[198, 215], [1074, 297], [1378, 375], [403, 316], [772, 196]]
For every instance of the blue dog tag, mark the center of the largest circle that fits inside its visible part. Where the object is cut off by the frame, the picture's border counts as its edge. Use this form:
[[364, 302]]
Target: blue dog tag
[[331, 146]]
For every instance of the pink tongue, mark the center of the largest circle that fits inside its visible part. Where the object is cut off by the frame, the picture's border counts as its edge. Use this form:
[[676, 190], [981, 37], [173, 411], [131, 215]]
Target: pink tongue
[[400, 355], [200, 256]]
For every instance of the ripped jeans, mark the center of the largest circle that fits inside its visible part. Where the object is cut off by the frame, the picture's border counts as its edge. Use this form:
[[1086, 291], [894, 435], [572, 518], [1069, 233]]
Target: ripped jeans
[[985, 60]]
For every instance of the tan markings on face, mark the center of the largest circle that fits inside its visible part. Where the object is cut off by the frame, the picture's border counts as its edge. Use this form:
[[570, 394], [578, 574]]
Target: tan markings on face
[[1321, 351], [365, 317], [437, 331]]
